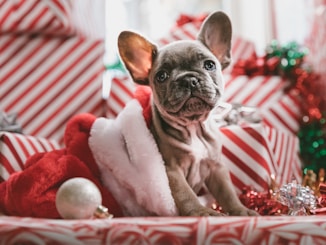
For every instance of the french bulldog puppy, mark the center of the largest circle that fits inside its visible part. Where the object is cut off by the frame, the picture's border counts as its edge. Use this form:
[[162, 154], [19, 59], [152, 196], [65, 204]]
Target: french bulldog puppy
[[187, 84]]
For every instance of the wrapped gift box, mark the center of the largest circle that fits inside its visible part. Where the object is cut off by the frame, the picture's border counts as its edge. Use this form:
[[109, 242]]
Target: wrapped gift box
[[121, 91], [278, 109], [46, 80], [16, 148], [49, 17], [255, 153], [178, 230], [50, 68]]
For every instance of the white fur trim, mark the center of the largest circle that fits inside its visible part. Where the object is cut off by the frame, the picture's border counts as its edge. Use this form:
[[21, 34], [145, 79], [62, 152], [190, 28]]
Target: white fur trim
[[131, 165]]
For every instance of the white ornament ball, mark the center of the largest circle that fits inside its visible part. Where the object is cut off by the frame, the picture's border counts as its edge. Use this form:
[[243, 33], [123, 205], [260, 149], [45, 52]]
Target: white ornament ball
[[78, 198]]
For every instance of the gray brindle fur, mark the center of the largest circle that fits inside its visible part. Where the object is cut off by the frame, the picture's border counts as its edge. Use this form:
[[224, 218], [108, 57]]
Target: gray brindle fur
[[187, 84]]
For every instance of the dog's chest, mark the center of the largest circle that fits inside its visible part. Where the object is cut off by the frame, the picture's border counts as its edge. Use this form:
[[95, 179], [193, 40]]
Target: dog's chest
[[195, 154], [198, 162]]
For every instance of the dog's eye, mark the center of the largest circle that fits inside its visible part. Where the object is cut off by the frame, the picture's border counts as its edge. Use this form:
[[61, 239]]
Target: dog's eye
[[161, 76], [209, 65]]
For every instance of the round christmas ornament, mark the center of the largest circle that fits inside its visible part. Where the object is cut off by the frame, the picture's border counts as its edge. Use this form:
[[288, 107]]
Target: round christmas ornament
[[79, 198]]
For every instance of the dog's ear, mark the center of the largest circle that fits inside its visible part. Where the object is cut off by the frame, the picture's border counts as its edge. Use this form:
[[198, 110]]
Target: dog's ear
[[216, 34], [137, 54]]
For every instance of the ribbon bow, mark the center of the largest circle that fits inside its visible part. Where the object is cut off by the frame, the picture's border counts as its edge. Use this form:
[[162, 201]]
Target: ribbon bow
[[184, 19]]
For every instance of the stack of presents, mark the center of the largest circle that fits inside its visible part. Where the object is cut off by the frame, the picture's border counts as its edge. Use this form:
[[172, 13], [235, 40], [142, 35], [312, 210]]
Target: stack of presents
[[50, 71]]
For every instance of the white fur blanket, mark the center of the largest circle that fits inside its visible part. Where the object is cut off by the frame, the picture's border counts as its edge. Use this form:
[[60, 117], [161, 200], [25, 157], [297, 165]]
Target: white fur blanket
[[131, 165]]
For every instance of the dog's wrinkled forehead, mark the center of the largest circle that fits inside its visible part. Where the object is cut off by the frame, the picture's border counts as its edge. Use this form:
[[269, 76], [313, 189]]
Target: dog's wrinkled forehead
[[182, 54]]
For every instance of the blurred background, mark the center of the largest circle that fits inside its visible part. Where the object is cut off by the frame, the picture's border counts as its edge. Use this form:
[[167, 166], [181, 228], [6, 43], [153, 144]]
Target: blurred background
[[259, 21]]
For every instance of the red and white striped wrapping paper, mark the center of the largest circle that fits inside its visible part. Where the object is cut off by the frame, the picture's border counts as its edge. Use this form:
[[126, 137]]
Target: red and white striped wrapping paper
[[246, 152], [121, 91], [16, 148], [285, 149], [36, 16], [46, 80], [254, 152], [278, 109], [294, 230]]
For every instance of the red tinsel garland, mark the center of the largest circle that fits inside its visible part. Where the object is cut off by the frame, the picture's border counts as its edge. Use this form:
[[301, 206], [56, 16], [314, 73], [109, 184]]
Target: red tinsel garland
[[289, 63]]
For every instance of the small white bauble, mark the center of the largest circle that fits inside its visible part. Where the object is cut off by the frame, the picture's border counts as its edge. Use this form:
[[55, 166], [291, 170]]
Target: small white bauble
[[78, 198]]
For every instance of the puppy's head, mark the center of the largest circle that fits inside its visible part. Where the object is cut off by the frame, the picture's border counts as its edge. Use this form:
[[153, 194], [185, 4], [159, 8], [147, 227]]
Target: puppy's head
[[185, 76]]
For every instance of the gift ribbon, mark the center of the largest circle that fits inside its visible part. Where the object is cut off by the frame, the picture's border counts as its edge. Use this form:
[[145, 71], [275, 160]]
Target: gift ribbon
[[8, 122], [184, 19], [236, 113], [255, 66], [297, 197]]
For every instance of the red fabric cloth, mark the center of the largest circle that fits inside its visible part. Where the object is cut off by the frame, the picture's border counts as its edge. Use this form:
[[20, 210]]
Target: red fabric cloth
[[32, 192], [143, 95]]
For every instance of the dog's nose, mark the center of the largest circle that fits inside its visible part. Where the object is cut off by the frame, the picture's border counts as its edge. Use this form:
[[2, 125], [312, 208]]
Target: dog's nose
[[191, 81]]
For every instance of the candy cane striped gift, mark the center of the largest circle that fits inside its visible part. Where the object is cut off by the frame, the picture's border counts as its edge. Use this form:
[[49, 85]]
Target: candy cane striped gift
[[16, 148], [46, 80], [285, 148], [278, 109], [294, 230], [247, 154], [47, 17], [255, 152], [122, 90]]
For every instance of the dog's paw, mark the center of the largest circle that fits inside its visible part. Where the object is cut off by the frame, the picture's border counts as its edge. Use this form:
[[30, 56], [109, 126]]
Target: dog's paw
[[243, 212], [203, 211]]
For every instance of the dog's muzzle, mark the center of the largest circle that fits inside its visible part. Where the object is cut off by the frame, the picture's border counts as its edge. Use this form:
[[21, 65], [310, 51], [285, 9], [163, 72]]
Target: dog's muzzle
[[193, 97]]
